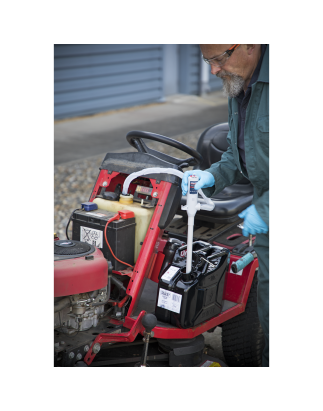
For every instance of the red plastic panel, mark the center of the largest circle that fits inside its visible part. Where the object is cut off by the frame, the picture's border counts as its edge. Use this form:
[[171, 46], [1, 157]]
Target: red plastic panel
[[78, 275], [235, 285]]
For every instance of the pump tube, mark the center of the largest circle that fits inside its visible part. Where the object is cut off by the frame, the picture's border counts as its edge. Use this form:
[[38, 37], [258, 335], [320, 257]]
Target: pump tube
[[209, 205], [192, 204], [191, 207]]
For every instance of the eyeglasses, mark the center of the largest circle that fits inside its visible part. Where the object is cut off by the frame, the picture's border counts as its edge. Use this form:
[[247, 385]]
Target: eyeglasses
[[221, 60]]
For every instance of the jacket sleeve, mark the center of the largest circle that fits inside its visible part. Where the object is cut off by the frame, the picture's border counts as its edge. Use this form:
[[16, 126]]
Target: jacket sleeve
[[262, 206], [225, 171]]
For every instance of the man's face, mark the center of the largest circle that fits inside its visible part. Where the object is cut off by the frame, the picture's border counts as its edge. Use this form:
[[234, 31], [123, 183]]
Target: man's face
[[237, 69]]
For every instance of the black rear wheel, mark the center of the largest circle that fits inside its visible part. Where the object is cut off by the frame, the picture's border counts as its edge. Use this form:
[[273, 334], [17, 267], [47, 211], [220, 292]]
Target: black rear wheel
[[242, 337]]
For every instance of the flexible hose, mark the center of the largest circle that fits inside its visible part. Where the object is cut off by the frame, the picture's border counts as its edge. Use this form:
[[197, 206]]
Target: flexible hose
[[118, 283], [94, 294], [101, 302], [152, 170], [209, 205]]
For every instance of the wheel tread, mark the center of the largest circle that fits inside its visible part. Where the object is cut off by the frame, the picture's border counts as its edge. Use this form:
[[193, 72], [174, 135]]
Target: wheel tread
[[242, 336]]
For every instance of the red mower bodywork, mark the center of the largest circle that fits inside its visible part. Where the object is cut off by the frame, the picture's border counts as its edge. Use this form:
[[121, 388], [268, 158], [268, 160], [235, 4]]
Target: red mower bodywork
[[72, 276], [148, 265]]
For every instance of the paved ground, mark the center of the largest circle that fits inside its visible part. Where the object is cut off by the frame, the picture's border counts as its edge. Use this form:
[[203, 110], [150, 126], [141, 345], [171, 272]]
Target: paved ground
[[83, 137], [80, 146]]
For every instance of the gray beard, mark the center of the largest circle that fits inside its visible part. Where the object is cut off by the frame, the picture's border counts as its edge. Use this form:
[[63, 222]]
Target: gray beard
[[232, 86]]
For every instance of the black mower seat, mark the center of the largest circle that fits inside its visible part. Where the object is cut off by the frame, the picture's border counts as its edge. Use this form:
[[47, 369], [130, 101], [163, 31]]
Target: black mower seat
[[233, 199]]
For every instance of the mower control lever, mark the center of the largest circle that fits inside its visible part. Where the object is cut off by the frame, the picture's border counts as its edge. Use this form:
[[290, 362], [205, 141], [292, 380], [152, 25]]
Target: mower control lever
[[149, 321]]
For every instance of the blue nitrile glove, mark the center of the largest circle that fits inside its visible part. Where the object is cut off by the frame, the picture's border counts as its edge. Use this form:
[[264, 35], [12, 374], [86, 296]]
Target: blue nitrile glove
[[253, 223], [206, 179]]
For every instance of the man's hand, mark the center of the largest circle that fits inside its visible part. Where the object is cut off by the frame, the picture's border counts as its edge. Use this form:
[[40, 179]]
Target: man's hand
[[205, 180], [253, 223]]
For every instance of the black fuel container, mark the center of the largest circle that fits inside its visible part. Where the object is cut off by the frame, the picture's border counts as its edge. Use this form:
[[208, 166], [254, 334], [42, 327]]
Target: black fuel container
[[186, 300], [169, 251]]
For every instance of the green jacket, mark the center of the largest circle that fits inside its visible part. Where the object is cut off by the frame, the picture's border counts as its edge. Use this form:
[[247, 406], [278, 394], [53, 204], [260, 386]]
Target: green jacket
[[229, 169]]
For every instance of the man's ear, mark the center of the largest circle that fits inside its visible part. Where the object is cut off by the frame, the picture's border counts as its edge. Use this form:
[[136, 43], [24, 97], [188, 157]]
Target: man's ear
[[251, 49]]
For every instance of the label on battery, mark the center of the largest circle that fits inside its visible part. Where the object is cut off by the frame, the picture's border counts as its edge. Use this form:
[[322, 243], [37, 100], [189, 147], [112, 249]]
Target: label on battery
[[209, 363], [169, 300], [192, 187], [91, 236], [170, 273], [96, 214]]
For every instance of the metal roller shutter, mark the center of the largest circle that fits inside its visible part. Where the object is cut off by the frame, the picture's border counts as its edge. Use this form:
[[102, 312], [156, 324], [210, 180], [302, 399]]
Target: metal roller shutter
[[189, 68], [94, 78]]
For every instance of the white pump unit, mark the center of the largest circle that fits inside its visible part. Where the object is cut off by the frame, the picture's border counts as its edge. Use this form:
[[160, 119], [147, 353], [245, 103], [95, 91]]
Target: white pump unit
[[193, 203], [191, 207]]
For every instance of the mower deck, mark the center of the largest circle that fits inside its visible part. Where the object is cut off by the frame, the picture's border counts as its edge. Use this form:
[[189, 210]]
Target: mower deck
[[129, 355]]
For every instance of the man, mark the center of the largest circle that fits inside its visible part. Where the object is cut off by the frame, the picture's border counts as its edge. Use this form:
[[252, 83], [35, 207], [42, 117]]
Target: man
[[244, 69]]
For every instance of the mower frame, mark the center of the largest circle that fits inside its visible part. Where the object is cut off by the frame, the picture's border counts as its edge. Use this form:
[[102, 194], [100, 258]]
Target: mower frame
[[149, 262]]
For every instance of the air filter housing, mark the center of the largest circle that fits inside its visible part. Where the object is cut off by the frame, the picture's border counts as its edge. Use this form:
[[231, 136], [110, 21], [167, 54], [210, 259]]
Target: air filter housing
[[65, 249], [78, 268]]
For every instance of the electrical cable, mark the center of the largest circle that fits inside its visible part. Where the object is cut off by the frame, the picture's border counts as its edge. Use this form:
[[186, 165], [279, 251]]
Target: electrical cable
[[116, 217], [69, 220]]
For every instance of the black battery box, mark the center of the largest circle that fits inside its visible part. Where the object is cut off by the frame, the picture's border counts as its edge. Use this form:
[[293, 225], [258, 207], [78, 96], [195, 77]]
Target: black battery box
[[186, 300], [88, 226]]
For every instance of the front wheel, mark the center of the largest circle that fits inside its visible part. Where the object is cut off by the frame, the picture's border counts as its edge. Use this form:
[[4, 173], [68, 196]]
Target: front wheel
[[242, 336]]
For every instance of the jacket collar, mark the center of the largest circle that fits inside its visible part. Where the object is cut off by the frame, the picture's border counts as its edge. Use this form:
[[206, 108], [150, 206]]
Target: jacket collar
[[264, 70]]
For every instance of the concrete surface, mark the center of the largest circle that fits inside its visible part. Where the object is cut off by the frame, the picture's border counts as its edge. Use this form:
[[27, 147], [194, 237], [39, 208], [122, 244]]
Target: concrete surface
[[82, 137], [214, 340]]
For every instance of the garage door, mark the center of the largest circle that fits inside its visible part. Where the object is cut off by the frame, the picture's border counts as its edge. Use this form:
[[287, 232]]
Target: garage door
[[90, 79], [189, 69]]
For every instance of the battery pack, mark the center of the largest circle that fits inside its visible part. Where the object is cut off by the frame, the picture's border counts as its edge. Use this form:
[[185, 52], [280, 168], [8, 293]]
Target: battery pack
[[88, 226]]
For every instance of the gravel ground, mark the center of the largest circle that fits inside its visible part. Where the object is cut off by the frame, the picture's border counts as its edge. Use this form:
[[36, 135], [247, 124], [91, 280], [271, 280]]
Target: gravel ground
[[74, 181]]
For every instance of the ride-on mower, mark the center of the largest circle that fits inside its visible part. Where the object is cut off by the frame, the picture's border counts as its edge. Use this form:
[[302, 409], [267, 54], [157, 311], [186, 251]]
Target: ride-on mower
[[145, 261]]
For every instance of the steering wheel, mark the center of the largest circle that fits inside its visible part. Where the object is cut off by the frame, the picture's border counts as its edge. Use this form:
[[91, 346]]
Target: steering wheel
[[135, 137]]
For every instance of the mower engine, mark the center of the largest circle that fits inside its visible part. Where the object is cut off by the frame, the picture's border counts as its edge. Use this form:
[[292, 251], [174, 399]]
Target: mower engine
[[81, 286]]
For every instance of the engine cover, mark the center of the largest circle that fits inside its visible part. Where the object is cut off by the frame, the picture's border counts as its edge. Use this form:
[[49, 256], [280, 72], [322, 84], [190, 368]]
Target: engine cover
[[78, 268]]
